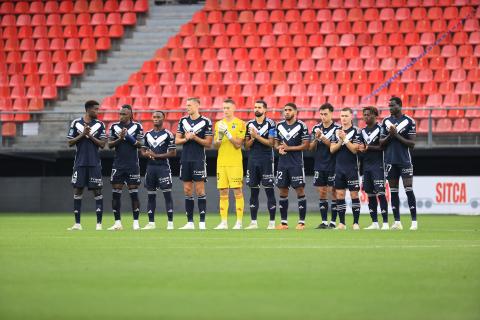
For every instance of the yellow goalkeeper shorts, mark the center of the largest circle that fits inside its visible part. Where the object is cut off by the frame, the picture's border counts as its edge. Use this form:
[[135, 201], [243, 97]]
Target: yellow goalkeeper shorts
[[229, 177]]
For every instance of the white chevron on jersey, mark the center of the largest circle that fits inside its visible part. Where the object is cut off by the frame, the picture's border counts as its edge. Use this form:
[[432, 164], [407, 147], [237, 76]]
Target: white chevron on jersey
[[400, 126], [289, 134], [263, 129], [330, 133], [195, 128], [117, 129], [372, 136], [93, 129], [348, 137], [156, 142], [132, 129]]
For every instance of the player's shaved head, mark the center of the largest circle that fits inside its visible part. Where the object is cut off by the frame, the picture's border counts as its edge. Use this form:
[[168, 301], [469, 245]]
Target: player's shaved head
[[395, 105], [91, 108], [158, 117]]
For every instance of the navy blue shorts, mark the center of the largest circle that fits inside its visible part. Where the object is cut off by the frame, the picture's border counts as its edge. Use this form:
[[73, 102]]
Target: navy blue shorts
[[193, 171], [323, 178], [260, 171], [130, 177], [347, 180], [374, 181], [395, 171], [158, 177], [90, 177], [290, 177]]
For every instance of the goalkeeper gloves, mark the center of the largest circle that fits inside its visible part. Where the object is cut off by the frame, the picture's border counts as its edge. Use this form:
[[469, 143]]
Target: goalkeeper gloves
[[223, 130]]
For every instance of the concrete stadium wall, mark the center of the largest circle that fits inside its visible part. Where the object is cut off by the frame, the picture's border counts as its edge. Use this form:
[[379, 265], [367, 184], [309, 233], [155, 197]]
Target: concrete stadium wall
[[54, 194]]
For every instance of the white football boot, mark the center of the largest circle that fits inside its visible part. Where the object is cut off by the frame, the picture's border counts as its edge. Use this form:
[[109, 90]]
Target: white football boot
[[117, 226], [252, 226], [202, 226], [385, 226], [99, 227], [271, 225], [373, 226], [136, 225], [222, 226], [188, 226], [170, 225], [149, 226], [75, 227], [237, 226], [414, 226], [397, 225]]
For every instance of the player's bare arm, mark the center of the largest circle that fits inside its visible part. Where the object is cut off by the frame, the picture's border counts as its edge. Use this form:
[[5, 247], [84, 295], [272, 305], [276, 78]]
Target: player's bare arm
[[205, 142], [304, 146], [74, 141]]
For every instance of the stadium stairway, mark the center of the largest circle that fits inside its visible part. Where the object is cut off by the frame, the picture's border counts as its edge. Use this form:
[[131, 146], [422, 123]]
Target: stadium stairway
[[102, 79]]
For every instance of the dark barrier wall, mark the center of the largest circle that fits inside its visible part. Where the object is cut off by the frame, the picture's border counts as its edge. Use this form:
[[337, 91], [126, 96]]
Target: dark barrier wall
[[55, 194]]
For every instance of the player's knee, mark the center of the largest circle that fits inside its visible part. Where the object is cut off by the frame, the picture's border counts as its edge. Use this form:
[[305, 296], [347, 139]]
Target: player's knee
[[283, 192], [354, 194], [78, 191], [97, 192], [340, 193], [393, 183], [407, 183], [300, 191], [187, 189], [322, 192], [199, 188]]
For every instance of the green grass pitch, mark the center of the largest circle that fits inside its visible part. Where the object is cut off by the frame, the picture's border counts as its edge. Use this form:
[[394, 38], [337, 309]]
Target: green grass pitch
[[47, 272]]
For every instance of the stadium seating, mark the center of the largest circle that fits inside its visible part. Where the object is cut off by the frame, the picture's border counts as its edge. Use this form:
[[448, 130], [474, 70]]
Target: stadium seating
[[316, 51], [43, 44]]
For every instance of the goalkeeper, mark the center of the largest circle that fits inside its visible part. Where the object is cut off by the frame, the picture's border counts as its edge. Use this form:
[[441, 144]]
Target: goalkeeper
[[229, 138]]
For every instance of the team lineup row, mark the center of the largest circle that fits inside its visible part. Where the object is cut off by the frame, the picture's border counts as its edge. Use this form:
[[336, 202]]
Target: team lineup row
[[382, 149]]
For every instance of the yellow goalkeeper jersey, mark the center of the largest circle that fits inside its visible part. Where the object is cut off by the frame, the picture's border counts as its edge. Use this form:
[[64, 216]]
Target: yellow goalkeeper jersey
[[228, 155]]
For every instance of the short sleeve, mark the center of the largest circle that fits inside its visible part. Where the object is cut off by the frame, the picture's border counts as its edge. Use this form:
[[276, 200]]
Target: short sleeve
[[412, 130], [171, 141], [241, 130], [272, 131], [102, 132], [356, 136], [334, 137], [180, 128], [314, 131], [145, 143], [72, 131], [208, 129], [247, 130], [277, 132], [305, 135], [383, 130], [113, 133], [360, 137], [139, 133]]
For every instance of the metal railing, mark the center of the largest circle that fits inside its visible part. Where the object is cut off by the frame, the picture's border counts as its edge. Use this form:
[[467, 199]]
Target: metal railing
[[427, 136]]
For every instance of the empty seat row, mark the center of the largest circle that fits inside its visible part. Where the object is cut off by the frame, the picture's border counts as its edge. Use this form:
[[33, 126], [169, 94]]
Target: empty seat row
[[77, 6], [230, 5]]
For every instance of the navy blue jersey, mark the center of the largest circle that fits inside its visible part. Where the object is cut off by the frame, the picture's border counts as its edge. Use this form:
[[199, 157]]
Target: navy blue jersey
[[266, 130], [87, 154], [159, 142], [324, 160], [395, 151], [345, 160], [202, 127], [292, 135], [371, 137], [126, 155]]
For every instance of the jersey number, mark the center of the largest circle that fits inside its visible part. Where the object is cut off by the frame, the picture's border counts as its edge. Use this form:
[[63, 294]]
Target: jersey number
[[113, 174]]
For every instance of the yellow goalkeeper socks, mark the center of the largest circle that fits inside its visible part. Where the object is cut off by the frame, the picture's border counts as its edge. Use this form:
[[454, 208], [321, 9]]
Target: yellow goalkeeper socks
[[239, 205], [224, 207]]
